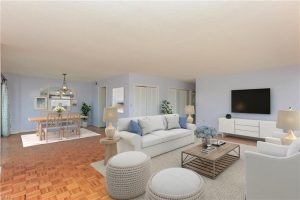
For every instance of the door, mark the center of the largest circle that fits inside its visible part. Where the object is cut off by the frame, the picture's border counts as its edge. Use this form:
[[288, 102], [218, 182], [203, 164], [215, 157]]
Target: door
[[102, 104], [146, 101]]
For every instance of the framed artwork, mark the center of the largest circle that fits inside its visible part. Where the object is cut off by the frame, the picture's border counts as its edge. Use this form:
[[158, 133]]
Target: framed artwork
[[118, 99], [66, 103], [40, 103]]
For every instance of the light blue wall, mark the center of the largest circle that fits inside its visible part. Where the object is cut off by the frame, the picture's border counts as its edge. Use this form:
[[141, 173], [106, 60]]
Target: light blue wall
[[129, 81], [23, 89], [213, 94], [110, 83]]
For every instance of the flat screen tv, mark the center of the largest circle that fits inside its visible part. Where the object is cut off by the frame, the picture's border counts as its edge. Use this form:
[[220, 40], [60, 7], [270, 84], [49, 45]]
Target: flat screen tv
[[255, 101]]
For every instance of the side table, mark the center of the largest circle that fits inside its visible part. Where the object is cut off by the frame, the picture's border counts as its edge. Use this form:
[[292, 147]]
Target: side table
[[110, 147]]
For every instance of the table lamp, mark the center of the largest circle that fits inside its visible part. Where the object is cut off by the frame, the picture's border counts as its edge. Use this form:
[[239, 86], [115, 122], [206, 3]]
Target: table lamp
[[190, 110], [110, 115], [288, 120]]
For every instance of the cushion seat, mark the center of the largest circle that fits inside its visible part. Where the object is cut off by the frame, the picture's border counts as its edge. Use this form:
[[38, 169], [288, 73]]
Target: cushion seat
[[173, 134], [71, 127], [52, 129], [128, 159], [175, 184], [150, 140]]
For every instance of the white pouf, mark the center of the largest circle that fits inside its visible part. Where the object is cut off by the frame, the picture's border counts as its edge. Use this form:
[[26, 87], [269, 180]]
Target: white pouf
[[175, 184], [127, 175]]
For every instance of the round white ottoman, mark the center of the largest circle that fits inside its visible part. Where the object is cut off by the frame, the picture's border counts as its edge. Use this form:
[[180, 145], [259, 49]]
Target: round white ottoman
[[175, 184], [127, 175]]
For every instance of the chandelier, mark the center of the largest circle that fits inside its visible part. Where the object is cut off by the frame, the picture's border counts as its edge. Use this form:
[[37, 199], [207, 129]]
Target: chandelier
[[64, 90]]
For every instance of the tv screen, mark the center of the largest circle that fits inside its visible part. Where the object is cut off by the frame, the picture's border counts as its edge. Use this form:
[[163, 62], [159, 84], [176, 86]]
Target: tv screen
[[256, 101]]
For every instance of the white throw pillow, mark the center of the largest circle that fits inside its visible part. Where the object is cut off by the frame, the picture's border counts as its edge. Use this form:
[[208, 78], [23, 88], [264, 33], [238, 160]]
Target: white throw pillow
[[294, 148], [145, 124], [157, 123], [173, 121]]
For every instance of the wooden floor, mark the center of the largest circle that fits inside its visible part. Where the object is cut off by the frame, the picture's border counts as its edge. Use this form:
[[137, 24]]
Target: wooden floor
[[53, 171], [58, 170]]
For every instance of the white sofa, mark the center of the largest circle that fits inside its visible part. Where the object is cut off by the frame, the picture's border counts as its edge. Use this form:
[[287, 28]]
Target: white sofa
[[273, 172], [157, 142]]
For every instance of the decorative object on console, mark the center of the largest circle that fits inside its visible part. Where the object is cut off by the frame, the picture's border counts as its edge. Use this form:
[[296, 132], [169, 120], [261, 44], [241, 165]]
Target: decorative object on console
[[85, 109], [110, 115], [288, 120], [228, 116], [190, 110], [165, 107], [205, 133]]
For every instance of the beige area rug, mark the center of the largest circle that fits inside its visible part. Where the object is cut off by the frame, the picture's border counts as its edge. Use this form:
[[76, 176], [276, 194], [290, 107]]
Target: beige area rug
[[33, 140], [229, 185]]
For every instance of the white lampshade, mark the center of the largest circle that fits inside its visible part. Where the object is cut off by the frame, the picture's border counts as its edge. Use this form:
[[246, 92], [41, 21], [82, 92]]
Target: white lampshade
[[189, 109], [110, 114], [288, 119]]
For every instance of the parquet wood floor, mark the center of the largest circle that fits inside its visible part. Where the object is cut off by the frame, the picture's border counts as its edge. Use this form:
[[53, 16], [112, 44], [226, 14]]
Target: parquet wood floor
[[53, 171], [58, 170]]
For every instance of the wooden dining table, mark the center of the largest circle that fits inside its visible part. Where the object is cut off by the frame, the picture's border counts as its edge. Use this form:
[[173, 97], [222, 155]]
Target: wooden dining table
[[41, 120]]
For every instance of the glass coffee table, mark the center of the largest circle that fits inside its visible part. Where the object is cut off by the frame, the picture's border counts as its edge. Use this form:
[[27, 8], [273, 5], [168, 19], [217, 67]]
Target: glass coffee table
[[210, 163]]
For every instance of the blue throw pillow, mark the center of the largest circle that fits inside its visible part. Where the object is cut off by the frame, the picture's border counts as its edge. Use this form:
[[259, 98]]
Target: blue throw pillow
[[134, 127], [182, 122]]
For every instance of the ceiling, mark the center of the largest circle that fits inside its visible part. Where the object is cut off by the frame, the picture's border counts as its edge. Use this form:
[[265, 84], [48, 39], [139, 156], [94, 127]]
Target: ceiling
[[184, 40]]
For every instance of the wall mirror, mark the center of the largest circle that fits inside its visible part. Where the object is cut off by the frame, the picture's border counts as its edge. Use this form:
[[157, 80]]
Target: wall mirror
[[118, 99], [55, 99]]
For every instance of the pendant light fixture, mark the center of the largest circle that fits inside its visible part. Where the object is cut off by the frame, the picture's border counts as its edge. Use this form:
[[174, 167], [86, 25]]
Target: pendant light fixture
[[64, 90]]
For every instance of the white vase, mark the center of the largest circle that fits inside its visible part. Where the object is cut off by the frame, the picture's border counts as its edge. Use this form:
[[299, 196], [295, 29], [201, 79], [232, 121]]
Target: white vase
[[84, 124]]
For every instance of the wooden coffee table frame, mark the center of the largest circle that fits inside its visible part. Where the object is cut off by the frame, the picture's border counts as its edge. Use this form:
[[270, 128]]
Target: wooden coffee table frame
[[207, 165]]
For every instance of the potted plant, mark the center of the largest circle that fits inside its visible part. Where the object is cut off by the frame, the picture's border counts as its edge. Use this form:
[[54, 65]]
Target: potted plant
[[85, 109], [165, 107]]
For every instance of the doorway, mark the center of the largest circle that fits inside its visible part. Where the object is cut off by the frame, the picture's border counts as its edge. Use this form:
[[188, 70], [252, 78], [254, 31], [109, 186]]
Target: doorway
[[102, 105]]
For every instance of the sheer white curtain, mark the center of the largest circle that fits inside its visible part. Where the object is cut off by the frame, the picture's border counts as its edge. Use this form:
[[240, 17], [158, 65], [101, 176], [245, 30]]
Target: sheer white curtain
[[179, 99], [5, 125]]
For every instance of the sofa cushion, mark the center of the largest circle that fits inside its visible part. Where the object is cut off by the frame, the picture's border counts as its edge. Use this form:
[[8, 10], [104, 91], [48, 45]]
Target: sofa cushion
[[128, 159], [182, 122], [157, 122], [151, 123], [134, 127], [173, 134], [145, 125], [293, 148], [150, 140], [173, 121]]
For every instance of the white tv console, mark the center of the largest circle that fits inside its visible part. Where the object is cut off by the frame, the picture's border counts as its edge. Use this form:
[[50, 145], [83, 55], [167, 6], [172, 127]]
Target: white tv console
[[247, 127]]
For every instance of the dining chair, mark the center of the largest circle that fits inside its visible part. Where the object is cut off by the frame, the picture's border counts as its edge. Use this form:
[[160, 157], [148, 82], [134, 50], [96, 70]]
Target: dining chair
[[53, 125], [73, 123]]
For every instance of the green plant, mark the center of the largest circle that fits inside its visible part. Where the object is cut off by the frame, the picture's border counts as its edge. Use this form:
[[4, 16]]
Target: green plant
[[165, 107], [85, 109]]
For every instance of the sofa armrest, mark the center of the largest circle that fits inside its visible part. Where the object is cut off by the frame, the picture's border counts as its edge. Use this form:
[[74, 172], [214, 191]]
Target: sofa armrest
[[271, 149], [131, 139], [273, 140], [191, 126]]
